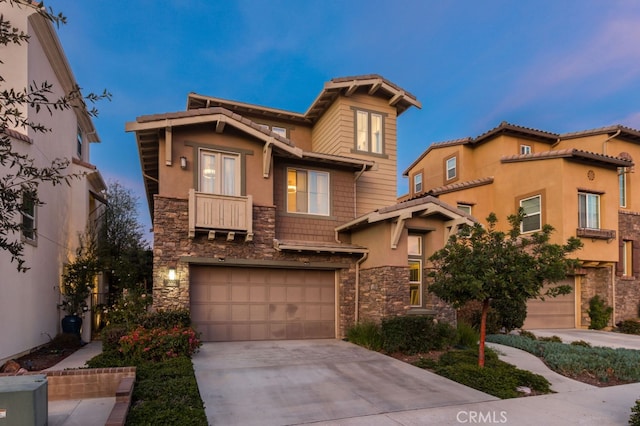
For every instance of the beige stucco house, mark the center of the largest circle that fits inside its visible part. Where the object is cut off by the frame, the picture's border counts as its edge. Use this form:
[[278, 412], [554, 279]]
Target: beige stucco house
[[272, 224], [581, 183], [28, 301]]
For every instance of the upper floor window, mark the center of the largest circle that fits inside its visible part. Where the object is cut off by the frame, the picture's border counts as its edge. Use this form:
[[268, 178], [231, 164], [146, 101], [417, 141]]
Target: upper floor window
[[588, 210], [280, 131], [28, 211], [532, 220], [307, 191], [219, 172], [525, 149], [452, 168], [417, 183], [79, 142], [465, 208], [369, 132], [622, 186]]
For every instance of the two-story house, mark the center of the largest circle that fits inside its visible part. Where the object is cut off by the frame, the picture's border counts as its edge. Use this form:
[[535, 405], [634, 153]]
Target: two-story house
[[28, 301], [272, 224], [580, 183]]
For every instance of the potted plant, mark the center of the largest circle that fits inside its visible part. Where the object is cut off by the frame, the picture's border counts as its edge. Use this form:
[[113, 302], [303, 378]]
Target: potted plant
[[77, 283]]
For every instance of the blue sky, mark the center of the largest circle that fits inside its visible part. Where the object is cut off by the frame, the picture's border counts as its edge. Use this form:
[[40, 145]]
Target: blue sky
[[559, 66]]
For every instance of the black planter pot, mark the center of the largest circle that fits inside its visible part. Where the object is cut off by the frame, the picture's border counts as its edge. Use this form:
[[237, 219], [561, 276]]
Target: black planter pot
[[72, 324]]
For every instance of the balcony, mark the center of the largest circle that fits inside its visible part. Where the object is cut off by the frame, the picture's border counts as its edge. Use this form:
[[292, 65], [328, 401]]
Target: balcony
[[596, 234], [225, 213]]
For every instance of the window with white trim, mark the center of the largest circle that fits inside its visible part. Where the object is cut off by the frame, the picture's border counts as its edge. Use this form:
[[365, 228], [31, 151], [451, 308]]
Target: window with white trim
[[588, 210], [622, 185], [525, 149], [532, 220], [280, 131], [219, 172], [414, 250], [307, 191], [417, 183], [465, 208], [28, 212], [452, 167], [369, 132]]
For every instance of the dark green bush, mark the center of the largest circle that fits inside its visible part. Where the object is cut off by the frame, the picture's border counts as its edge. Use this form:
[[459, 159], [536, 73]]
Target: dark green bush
[[467, 336], [528, 335], [496, 378], [366, 334], [510, 313], [629, 326], [550, 339], [634, 420], [413, 334], [581, 343], [599, 313], [111, 335], [167, 319]]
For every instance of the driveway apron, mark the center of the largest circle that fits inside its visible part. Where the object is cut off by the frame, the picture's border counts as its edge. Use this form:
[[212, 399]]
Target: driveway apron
[[293, 382]]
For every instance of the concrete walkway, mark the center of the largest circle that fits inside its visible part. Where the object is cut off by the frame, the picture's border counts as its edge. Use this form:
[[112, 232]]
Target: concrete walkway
[[80, 412]]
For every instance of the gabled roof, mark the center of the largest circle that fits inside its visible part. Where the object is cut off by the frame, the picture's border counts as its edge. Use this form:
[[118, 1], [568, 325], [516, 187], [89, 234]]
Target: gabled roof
[[502, 128], [424, 206], [572, 154], [373, 83], [460, 186]]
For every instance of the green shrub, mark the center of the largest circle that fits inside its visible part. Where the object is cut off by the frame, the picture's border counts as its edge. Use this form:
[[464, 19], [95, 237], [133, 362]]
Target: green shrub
[[528, 335], [467, 336], [167, 319], [159, 344], [413, 334], [111, 335], [166, 393], [629, 326], [366, 334], [599, 313], [634, 420], [510, 313], [550, 339], [496, 378], [581, 343], [130, 309]]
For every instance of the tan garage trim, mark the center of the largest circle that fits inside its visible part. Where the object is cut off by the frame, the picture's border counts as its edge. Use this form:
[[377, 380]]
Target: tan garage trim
[[239, 303]]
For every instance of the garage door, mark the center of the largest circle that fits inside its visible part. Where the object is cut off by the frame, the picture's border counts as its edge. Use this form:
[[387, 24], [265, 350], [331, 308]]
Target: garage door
[[235, 303], [558, 312]]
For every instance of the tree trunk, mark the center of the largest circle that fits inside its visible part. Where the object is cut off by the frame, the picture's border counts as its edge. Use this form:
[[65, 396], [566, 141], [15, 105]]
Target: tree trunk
[[483, 331]]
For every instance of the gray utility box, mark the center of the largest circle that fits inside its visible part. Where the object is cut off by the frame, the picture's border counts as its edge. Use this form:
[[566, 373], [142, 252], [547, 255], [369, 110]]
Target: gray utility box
[[23, 400]]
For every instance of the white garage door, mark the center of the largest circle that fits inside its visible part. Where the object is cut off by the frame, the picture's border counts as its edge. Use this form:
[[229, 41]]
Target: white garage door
[[558, 312], [235, 303]]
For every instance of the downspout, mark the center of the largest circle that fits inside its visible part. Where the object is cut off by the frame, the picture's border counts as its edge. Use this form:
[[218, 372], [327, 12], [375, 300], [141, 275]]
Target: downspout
[[358, 263], [355, 190], [604, 144]]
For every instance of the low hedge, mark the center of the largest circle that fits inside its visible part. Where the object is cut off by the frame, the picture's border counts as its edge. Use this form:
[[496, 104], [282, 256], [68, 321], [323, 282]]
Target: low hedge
[[413, 334], [629, 326]]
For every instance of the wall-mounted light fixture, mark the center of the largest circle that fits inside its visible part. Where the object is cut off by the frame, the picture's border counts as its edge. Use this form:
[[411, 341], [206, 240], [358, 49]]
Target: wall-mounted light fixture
[[172, 278], [183, 163]]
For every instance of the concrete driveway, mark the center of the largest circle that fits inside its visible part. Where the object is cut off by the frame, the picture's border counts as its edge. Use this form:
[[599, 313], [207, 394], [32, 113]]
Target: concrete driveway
[[595, 337], [293, 382]]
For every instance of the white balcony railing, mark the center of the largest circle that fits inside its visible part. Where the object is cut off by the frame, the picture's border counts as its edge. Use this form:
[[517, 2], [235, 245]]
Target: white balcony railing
[[214, 212]]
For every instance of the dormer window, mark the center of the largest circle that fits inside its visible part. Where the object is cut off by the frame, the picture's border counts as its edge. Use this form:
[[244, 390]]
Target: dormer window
[[369, 132], [452, 168], [417, 183]]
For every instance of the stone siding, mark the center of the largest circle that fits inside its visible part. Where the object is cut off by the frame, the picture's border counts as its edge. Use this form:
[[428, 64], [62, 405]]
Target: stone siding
[[594, 281], [628, 287]]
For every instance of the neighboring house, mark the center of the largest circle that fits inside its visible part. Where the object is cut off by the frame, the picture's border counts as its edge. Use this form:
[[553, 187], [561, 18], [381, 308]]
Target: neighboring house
[[580, 183], [272, 224], [28, 301]]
